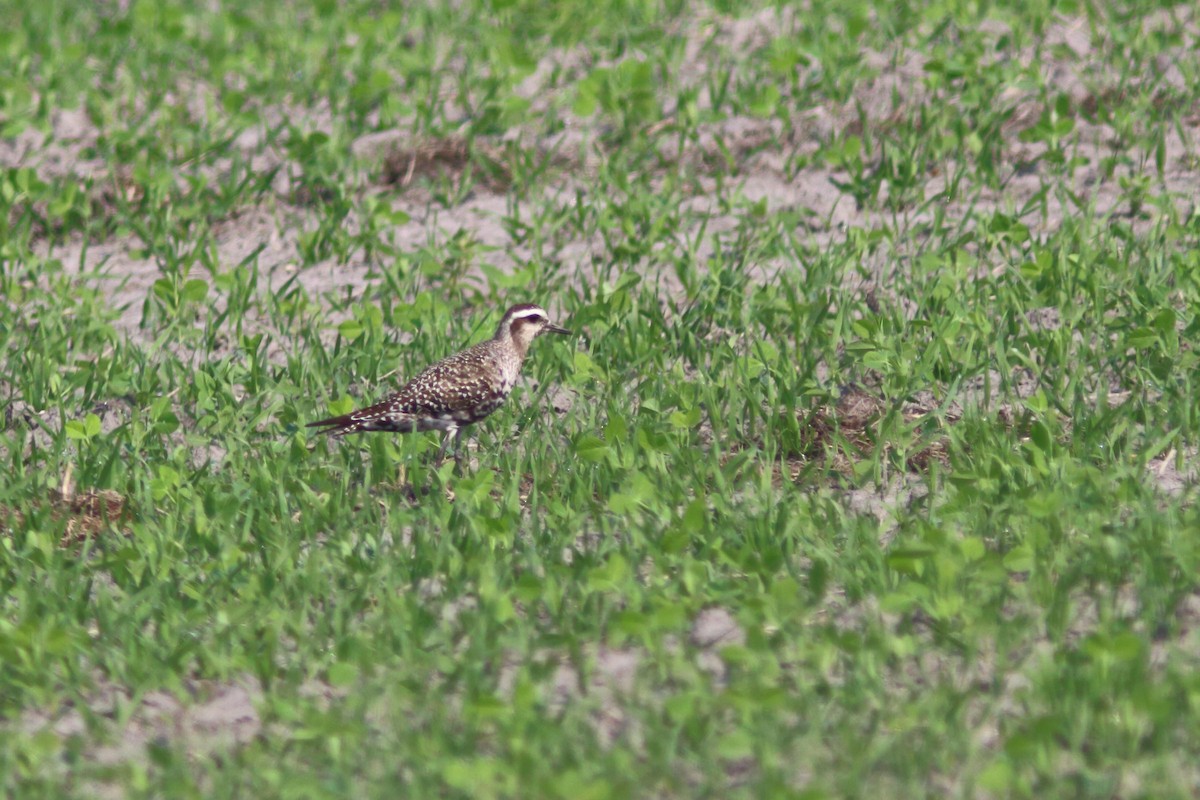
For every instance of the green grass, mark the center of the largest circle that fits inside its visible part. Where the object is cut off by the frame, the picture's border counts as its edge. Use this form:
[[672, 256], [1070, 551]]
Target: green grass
[[988, 587]]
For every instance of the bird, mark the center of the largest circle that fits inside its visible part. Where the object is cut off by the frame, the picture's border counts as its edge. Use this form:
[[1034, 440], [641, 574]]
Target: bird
[[457, 391]]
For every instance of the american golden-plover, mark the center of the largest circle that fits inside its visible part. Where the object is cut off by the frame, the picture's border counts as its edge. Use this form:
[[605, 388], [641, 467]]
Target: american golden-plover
[[458, 390]]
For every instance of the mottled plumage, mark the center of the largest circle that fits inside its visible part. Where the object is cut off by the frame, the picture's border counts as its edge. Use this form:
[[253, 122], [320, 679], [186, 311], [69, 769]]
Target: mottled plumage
[[458, 390]]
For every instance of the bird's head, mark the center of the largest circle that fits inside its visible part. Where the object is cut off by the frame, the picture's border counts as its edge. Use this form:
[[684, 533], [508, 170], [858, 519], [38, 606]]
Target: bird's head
[[524, 323]]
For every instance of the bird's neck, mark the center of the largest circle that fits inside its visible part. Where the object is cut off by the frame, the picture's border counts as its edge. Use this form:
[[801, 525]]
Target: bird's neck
[[517, 337], [519, 347]]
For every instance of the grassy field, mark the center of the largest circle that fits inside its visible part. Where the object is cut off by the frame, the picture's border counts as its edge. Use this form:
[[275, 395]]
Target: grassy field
[[870, 472]]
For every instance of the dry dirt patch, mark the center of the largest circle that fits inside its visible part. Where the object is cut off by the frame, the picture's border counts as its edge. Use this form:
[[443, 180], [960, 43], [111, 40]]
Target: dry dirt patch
[[217, 718]]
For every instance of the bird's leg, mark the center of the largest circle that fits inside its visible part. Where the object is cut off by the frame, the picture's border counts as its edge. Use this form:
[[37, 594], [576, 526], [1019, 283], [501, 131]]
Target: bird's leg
[[441, 456]]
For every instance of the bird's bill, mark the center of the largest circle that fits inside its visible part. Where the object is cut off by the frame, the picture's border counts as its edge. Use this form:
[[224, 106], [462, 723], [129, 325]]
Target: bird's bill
[[556, 329]]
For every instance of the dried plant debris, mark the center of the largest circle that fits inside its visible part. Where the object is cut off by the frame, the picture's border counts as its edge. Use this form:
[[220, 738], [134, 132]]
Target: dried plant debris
[[82, 515], [849, 430], [450, 157]]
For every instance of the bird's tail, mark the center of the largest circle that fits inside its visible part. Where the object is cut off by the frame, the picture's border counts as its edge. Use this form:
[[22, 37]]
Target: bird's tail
[[366, 419], [337, 426]]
